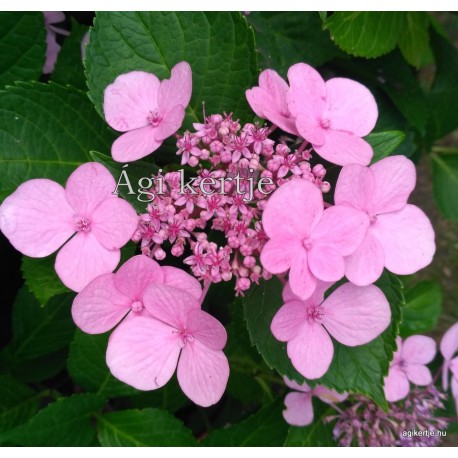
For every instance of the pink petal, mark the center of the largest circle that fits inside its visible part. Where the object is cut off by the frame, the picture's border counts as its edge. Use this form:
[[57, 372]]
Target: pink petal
[[298, 204], [130, 99], [311, 351], [418, 374], [355, 315], [134, 276], [309, 128], [365, 265], [143, 353], [176, 90], [454, 367], [277, 254], [202, 373], [449, 342], [82, 259], [36, 218], [135, 144], [258, 99], [178, 278], [355, 187], [100, 306], [455, 391], [114, 222], [329, 396], [286, 123], [395, 178], [287, 322], [397, 385], [169, 304], [343, 148], [407, 238], [207, 329], [341, 228], [418, 349], [170, 123], [315, 299], [299, 409], [307, 93], [326, 263], [303, 387], [302, 281], [350, 106], [88, 186]]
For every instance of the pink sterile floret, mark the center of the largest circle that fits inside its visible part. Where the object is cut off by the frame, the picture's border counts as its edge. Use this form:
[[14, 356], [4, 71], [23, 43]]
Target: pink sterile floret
[[448, 348], [148, 110], [268, 101], [400, 236], [409, 364], [332, 115], [307, 240], [104, 302], [353, 315], [174, 334], [40, 216], [299, 407]]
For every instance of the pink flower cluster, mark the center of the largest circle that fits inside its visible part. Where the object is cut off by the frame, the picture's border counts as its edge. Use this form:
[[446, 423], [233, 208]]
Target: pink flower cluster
[[228, 196], [162, 329]]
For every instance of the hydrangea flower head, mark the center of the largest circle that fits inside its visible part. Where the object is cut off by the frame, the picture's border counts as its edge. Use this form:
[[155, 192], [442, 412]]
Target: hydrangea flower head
[[148, 110], [409, 365], [268, 101], [352, 315], [176, 334], [400, 236], [299, 406], [107, 299], [332, 115], [41, 216], [307, 240]]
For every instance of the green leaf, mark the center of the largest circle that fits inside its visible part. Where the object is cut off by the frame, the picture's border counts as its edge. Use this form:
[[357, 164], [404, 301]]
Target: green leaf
[[69, 67], [22, 46], [285, 38], [64, 423], [41, 278], [359, 369], [18, 403], [218, 46], [266, 428], [39, 333], [414, 37], [422, 308], [445, 184], [46, 131], [384, 143], [142, 428], [443, 98], [317, 434], [365, 34], [134, 172], [88, 369]]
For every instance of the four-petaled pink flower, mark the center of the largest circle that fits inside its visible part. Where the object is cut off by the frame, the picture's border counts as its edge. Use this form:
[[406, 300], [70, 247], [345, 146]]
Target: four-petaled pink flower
[[148, 110], [448, 348], [104, 302], [353, 315], [299, 406], [409, 364], [332, 115], [40, 216], [268, 101], [307, 240], [145, 351], [400, 236]]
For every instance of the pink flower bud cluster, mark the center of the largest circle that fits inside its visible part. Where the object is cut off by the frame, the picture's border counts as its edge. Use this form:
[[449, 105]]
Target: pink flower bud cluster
[[222, 149]]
